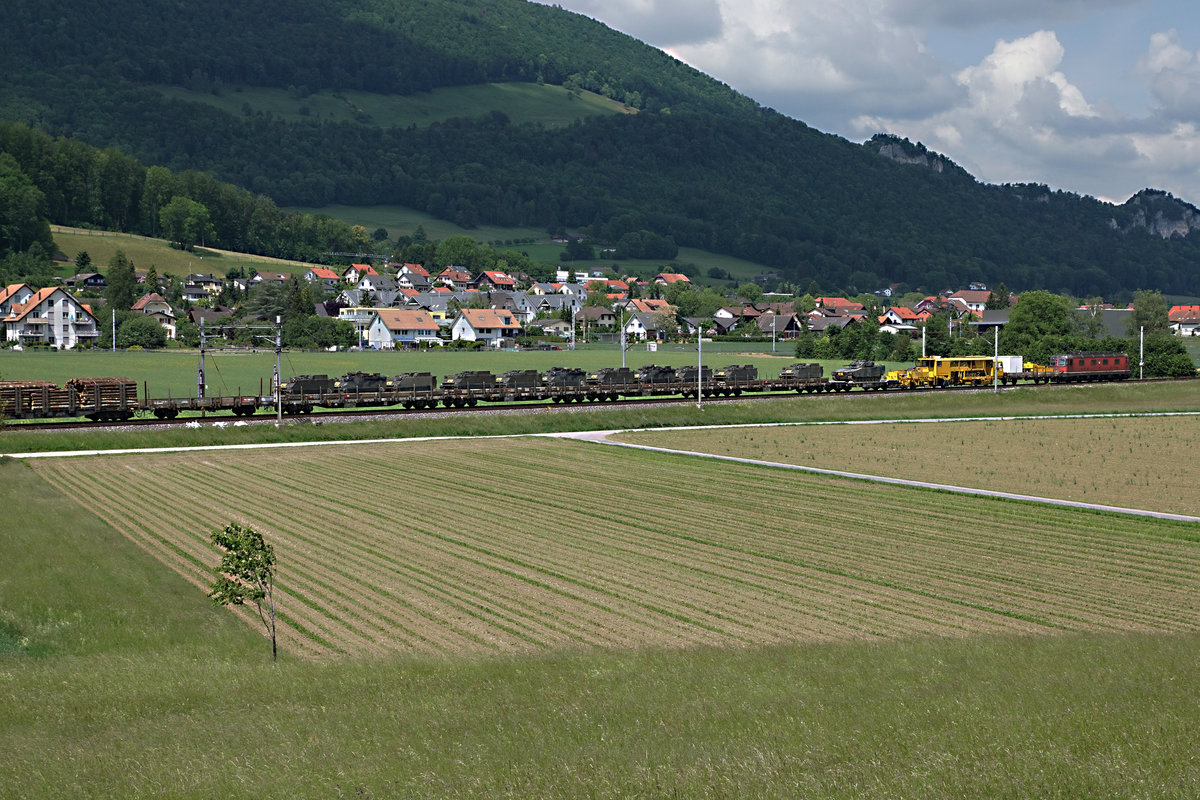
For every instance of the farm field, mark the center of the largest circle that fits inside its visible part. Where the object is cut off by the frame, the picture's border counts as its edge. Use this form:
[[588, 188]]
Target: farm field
[[511, 565], [875, 676], [1142, 462]]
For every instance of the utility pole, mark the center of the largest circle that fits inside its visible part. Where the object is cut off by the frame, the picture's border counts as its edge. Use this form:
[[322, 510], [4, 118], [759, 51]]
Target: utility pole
[[1141, 351], [278, 393], [200, 371], [622, 318], [996, 359], [699, 365]]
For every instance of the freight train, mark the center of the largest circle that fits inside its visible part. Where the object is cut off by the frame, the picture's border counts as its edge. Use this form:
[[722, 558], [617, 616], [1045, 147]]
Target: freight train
[[117, 398]]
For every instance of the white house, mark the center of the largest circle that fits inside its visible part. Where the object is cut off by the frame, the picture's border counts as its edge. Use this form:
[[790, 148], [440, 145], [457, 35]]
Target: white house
[[49, 315], [401, 326], [156, 306], [485, 324], [642, 326]]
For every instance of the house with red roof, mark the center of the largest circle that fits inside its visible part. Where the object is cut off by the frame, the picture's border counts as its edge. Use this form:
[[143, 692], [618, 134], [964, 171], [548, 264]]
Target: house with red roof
[[413, 269], [155, 305], [668, 278], [1185, 320], [324, 275], [974, 300], [838, 304], [49, 315], [402, 326], [494, 279], [454, 277], [355, 272], [485, 325]]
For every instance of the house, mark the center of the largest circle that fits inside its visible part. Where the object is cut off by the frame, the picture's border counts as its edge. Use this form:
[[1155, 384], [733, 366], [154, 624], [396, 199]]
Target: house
[[781, 326], [901, 315], [974, 300], [668, 278], [86, 280], [201, 286], [838, 304], [406, 327], [13, 294], [642, 326], [156, 306], [822, 324], [324, 275], [647, 306], [493, 279], [485, 325], [411, 280], [413, 269], [48, 315], [454, 277], [1185, 320], [552, 326], [597, 316], [356, 272], [271, 277], [211, 320]]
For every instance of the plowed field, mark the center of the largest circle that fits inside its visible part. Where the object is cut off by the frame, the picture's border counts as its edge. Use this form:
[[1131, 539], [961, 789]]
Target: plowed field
[[1131, 462], [518, 545]]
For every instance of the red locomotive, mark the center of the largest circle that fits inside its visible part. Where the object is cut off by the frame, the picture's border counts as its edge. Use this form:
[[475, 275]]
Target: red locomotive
[[1070, 367]]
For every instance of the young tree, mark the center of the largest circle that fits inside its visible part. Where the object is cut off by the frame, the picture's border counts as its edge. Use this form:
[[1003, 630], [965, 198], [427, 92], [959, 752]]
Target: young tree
[[246, 573], [122, 282], [1149, 312]]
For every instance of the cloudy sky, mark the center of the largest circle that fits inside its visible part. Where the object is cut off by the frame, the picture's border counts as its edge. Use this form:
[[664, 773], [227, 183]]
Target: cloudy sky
[[1099, 97]]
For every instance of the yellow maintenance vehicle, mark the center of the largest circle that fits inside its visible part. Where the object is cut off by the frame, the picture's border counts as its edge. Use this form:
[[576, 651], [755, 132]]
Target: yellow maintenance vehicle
[[937, 371]]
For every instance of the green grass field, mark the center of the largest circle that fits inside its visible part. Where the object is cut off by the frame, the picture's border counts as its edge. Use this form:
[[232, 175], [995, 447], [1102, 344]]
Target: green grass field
[[117, 677], [145, 252], [523, 103]]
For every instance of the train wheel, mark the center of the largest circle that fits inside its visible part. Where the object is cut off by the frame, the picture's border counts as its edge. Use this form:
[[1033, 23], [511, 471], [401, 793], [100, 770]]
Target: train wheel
[[472, 402]]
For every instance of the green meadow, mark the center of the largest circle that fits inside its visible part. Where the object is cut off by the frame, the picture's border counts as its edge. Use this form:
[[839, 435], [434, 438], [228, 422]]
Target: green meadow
[[146, 252], [118, 678]]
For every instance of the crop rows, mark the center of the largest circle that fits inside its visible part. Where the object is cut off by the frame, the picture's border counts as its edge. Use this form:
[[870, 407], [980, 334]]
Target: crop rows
[[518, 545], [1132, 462]]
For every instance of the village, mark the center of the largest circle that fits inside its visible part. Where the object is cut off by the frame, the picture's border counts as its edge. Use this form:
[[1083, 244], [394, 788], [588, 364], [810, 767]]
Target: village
[[407, 306]]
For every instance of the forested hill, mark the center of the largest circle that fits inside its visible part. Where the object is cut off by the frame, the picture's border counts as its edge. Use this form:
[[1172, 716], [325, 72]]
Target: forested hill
[[234, 87]]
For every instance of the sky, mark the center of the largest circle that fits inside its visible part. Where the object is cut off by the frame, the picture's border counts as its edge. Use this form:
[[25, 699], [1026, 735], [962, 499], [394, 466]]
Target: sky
[[1097, 97]]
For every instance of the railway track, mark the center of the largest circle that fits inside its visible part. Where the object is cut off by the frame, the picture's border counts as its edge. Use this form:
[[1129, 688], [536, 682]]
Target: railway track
[[146, 419]]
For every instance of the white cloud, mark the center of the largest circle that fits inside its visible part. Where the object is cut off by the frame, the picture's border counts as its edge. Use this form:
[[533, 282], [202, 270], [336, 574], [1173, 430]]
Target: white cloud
[[1174, 73], [963, 14], [1019, 77], [822, 61]]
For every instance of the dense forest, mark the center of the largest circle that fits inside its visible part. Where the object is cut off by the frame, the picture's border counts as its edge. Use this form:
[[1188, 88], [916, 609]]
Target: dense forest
[[698, 165]]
